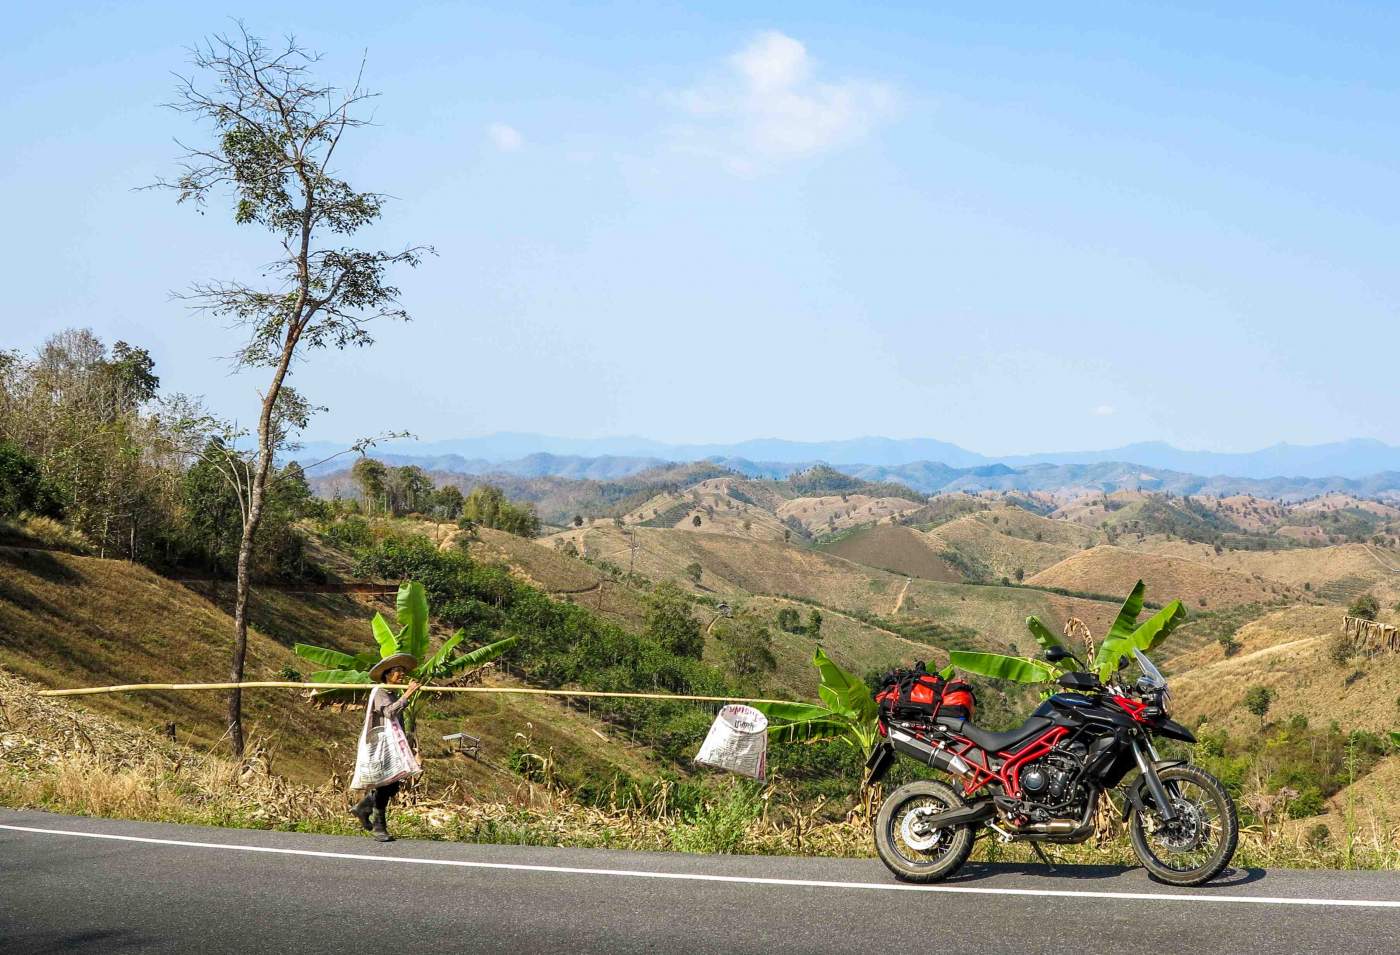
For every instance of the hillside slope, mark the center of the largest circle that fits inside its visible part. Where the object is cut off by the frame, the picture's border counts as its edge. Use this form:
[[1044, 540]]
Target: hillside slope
[[1113, 570], [83, 621]]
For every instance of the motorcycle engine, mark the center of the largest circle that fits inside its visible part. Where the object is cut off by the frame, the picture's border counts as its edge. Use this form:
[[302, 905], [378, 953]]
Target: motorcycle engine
[[1050, 784]]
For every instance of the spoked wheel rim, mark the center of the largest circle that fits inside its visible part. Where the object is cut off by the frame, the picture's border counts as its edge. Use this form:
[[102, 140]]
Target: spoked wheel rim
[[1196, 837], [914, 842]]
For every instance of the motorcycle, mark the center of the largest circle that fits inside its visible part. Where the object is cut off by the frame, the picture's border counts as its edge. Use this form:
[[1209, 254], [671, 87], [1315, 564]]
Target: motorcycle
[[1043, 782]]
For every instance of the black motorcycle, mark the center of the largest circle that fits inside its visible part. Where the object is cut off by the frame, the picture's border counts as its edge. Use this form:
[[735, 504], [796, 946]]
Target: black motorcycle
[[1043, 781]]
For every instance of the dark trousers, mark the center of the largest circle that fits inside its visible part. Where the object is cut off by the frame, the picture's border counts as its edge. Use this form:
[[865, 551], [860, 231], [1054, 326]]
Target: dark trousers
[[382, 795]]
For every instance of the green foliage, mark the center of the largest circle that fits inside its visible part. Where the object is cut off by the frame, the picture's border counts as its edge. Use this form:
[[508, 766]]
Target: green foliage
[[1257, 700], [1001, 667], [720, 825], [670, 623], [412, 638], [847, 713], [1042, 634], [23, 488], [1366, 606], [694, 571], [1126, 635], [487, 506], [814, 624], [789, 620], [747, 645]]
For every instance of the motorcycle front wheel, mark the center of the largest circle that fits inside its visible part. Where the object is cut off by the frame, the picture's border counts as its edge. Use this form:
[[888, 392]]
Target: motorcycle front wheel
[[1194, 847], [913, 850]]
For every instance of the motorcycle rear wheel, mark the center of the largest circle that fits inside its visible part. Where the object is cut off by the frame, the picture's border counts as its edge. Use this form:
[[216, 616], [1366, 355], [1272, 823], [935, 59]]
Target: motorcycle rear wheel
[[898, 816], [1200, 843]]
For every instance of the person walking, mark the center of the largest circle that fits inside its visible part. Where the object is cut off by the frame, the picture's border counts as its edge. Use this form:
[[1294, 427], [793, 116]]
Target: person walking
[[383, 711]]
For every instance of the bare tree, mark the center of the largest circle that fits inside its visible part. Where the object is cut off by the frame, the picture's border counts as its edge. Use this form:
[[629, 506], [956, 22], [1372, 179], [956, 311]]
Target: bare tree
[[273, 132]]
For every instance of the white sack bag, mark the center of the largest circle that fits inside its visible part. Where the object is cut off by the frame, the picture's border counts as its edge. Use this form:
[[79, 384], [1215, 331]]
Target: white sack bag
[[384, 755], [737, 741]]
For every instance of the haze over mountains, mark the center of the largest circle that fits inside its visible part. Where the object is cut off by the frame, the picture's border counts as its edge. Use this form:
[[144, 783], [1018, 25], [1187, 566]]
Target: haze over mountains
[[1356, 466]]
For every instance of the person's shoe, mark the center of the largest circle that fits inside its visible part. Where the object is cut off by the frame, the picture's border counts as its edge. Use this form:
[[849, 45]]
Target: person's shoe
[[362, 811], [382, 835]]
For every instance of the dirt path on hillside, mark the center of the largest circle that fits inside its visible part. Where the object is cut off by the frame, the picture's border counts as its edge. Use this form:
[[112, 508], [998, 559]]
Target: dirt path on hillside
[[899, 601]]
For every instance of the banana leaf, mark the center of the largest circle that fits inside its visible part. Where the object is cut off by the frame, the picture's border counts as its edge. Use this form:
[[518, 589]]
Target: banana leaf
[[388, 643], [1144, 638], [333, 659], [1001, 667], [807, 731], [847, 695], [338, 676], [412, 606], [448, 645], [1042, 634], [478, 656], [792, 712], [1395, 740], [1126, 622]]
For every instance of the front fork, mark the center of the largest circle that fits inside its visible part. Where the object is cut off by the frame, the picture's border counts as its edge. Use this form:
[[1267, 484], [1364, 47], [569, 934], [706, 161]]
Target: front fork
[[1146, 755]]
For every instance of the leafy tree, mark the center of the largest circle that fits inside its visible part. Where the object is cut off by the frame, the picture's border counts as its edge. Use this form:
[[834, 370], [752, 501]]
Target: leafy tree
[[370, 476], [487, 506], [789, 620], [276, 133], [578, 519], [814, 624], [695, 572], [748, 646], [23, 488], [670, 623], [695, 520], [1365, 606], [1258, 699], [448, 502], [409, 488]]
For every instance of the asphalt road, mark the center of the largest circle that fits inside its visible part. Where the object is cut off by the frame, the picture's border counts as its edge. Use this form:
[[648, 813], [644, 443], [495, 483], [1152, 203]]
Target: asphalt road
[[70, 884]]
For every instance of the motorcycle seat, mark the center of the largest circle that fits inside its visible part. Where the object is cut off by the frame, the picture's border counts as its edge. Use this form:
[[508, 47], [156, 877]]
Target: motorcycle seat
[[998, 742]]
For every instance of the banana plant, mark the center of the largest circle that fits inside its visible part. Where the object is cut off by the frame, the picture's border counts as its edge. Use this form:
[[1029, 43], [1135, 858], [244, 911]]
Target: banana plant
[[847, 711], [1123, 637], [412, 636]]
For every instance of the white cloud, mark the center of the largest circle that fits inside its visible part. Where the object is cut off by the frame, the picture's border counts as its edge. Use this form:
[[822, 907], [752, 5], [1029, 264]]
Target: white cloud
[[769, 107], [505, 138], [1103, 411]]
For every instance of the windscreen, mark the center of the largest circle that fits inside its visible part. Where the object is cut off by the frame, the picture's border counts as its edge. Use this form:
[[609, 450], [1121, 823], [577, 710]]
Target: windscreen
[[1148, 669]]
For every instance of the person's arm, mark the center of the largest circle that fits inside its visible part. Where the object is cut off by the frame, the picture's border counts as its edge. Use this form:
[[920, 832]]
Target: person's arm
[[392, 710]]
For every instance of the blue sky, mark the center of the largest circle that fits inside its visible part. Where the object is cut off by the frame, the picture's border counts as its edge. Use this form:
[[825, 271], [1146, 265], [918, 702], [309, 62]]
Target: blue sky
[[1016, 228]]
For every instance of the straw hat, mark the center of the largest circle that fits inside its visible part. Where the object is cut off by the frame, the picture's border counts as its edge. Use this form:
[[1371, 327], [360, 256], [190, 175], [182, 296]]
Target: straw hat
[[406, 660]]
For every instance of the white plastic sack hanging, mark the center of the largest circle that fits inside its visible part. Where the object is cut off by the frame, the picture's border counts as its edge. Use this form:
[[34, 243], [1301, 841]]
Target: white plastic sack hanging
[[737, 741], [384, 754]]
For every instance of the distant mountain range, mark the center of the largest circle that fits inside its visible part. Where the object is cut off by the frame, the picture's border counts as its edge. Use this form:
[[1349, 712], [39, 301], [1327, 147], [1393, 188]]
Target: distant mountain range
[[612, 457]]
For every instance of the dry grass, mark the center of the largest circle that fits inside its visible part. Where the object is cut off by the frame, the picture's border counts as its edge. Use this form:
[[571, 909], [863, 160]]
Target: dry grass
[[836, 512], [1114, 570], [893, 547]]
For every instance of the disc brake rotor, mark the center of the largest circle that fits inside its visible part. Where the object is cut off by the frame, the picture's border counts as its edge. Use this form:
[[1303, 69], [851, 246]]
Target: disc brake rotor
[[1186, 832], [916, 832]]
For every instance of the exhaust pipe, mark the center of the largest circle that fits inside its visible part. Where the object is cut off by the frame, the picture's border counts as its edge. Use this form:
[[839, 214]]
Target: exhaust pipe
[[930, 753]]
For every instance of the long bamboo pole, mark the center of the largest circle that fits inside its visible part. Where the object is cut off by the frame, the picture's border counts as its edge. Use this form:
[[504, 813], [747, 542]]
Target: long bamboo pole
[[288, 684]]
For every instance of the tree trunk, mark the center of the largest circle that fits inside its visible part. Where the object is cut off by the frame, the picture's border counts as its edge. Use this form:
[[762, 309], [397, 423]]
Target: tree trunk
[[257, 488]]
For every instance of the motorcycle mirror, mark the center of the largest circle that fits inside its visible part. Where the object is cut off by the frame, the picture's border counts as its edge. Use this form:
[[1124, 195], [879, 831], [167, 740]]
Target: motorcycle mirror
[[1056, 654], [1122, 663]]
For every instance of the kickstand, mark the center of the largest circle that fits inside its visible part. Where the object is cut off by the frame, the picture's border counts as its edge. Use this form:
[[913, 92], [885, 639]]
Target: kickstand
[[1043, 857]]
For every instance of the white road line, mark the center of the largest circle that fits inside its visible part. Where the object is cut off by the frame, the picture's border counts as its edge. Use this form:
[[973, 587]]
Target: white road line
[[739, 879]]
